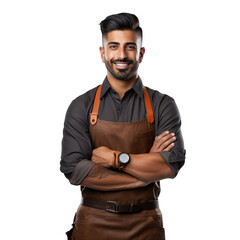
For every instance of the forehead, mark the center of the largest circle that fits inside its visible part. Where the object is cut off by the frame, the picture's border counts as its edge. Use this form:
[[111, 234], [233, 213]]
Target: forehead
[[122, 36]]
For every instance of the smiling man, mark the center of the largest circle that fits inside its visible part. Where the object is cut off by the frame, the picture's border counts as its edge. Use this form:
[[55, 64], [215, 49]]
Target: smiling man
[[119, 140], [122, 58]]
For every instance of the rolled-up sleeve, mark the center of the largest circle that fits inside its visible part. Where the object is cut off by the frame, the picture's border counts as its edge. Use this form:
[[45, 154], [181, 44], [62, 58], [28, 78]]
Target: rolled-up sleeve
[[76, 144], [170, 120]]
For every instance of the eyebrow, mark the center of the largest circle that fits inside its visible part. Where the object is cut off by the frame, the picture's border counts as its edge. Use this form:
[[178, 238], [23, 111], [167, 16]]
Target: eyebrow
[[114, 43], [127, 43]]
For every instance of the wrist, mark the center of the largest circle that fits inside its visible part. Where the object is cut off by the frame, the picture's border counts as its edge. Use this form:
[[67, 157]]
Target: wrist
[[121, 160]]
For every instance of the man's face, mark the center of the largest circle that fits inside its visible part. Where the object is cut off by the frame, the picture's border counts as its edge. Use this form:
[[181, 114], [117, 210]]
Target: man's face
[[122, 53]]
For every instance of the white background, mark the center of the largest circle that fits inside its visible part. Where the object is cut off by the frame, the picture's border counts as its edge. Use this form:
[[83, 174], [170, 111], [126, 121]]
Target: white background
[[49, 55]]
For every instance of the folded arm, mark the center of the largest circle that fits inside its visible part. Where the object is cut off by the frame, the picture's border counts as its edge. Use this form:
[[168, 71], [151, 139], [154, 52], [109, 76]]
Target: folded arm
[[148, 167], [105, 179], [155, 170], [167, 154], [76, 156]]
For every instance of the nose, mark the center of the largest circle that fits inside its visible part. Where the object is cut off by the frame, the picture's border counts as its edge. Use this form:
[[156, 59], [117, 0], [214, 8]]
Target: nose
[[122, 53]]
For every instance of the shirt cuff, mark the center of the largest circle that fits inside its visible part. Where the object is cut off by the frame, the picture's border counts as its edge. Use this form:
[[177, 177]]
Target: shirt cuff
[[175, 159], [81, 171], [166, 156]]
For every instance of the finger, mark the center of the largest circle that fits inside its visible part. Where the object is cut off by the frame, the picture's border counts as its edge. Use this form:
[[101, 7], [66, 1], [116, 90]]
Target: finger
[[168, 142], [169, 147], [163, 139], [161, 135], [93, 158], [160, 140], [163, 145], [160, 147], [155, 144], [154, 149]]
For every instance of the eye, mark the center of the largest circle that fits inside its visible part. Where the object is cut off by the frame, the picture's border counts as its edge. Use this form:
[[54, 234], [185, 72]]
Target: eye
[[131, 47], [113, 46]]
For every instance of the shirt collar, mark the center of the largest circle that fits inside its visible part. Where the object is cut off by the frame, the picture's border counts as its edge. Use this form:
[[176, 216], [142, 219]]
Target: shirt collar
[[137, 87], [105, 86]]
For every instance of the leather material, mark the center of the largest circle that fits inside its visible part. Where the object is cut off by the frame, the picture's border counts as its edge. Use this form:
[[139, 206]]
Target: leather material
[[148, 105], [114, 207], [91, 223], [115, 165], [94, 114], [135, 138]]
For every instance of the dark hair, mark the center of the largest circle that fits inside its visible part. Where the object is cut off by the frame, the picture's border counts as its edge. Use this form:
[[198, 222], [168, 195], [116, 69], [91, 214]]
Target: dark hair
[[121, 21]]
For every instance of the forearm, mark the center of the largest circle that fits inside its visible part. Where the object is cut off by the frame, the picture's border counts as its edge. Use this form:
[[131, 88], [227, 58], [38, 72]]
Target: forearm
[[104, 179], [148, 167]]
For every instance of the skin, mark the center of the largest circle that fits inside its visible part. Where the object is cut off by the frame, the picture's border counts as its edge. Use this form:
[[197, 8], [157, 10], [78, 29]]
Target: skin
[[104, 179], [155, 170], [122, 53], [122, 47]]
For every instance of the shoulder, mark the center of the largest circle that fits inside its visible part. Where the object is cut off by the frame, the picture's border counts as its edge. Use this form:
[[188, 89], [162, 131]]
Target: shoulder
[[86, 98], [160, 99], [165, 110], [82, 104]]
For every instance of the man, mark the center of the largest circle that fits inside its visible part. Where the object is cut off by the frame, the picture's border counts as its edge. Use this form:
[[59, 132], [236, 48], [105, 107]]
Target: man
[[119, 140]]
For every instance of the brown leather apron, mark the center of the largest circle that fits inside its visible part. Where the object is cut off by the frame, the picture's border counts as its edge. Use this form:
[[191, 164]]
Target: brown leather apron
[[133, 137]]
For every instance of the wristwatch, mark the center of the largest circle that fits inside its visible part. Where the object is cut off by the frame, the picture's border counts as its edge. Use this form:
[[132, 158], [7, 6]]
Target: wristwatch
[[122, 159]]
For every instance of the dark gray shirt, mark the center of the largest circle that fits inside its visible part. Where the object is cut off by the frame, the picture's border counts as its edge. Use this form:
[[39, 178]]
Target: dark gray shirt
[[76, 144]]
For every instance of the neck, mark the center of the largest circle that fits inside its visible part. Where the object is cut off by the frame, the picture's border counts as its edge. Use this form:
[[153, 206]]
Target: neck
[[121, 86]]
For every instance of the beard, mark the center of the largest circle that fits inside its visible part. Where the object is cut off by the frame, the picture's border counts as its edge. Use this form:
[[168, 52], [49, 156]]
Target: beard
[[122, 74]]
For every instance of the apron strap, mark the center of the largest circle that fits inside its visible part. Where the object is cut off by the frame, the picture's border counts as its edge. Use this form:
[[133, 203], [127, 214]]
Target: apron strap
[[96, 103], [94, 114], [148, 105]]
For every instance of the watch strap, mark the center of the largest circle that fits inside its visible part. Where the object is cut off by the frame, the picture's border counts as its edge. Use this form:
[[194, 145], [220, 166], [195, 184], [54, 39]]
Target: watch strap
[[115, 160]]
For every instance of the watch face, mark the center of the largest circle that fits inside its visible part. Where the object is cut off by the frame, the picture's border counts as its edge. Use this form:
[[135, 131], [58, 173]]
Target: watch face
[[124, 158]]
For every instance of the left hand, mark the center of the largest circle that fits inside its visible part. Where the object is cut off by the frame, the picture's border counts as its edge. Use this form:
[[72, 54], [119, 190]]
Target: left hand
[[163, 142], [103, 156]]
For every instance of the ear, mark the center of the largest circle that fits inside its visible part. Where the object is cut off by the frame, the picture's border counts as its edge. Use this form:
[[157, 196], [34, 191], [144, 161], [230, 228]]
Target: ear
[[142, 52], [102, 53]]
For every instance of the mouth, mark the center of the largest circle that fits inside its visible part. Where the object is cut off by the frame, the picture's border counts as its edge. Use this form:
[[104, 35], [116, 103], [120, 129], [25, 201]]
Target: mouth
[[121, 65]]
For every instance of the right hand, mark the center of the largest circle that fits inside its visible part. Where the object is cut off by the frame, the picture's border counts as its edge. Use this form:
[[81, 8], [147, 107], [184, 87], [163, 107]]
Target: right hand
[[163, 142]]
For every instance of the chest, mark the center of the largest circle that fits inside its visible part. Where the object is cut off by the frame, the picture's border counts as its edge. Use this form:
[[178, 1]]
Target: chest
[[130, 136], [130, 108]]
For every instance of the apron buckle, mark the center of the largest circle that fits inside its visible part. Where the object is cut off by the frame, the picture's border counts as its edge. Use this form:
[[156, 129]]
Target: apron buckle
[[114, 205]]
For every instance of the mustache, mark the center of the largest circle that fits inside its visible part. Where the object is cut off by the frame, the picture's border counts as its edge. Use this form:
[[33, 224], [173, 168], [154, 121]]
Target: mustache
[[124, 60]]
